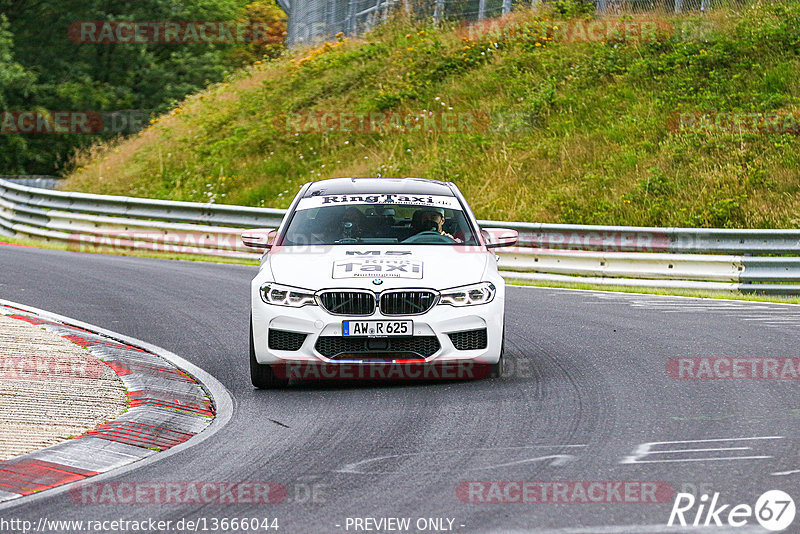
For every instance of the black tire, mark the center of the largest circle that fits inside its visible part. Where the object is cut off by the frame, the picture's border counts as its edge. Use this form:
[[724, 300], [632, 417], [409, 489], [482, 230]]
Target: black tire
[[261, 375], [496, 369]]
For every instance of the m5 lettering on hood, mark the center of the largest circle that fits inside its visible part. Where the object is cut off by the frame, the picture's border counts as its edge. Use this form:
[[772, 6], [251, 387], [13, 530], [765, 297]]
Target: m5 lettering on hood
[[377, 268]]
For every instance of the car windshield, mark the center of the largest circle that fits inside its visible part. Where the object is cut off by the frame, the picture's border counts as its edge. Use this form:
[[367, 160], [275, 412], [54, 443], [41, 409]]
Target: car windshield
[[369, 219]]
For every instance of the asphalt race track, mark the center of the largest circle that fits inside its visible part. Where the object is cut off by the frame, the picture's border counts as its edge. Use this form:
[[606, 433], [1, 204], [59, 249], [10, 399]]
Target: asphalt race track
[[586, 390]]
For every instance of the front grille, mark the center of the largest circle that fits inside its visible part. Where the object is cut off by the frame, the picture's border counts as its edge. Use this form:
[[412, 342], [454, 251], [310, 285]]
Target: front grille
[[348, 302], [407, 302], [283, 340], [392, 347], [469, 340]]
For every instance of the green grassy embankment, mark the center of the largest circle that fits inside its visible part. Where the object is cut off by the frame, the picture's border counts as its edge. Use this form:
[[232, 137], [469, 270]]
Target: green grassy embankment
[[584, 139]]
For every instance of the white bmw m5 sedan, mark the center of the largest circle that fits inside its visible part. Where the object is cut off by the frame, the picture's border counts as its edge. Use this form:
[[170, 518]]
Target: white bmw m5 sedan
[[377, 278]]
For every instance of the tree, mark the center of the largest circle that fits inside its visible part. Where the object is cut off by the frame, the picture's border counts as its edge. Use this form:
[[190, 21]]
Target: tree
[[15, 87], [52, 71]]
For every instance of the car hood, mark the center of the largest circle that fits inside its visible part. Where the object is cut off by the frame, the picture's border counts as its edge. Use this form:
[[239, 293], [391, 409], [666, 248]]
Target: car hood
[[361, 266]]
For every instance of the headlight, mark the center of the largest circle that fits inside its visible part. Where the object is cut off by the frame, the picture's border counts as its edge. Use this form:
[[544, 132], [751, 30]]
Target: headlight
[[471, 295], [281, 295]]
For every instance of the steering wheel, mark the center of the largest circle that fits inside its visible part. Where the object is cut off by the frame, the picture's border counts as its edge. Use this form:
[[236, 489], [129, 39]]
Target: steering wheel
[[427, 234]]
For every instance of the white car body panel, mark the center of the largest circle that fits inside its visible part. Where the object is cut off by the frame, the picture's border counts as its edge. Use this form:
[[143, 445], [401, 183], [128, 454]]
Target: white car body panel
[[378, 268], [356, 266]]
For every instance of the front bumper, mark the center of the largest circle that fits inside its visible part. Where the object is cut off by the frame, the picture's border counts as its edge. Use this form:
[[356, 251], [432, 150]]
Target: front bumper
[[440, 321]]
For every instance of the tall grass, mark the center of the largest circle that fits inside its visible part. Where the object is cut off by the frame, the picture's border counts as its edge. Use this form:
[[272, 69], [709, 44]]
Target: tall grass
[[579, 131]]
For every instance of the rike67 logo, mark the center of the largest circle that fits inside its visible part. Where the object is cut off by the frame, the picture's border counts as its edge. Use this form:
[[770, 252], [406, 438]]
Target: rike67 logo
[[774, 510]]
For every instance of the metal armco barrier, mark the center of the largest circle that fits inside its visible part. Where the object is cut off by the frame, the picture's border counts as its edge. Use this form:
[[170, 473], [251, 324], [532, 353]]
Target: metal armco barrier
[[33, 180], [644, 239], [751, 261]]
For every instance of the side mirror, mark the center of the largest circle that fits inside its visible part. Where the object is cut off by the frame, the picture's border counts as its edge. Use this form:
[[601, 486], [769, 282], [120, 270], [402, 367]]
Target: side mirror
[[259, 237], [500, 237]]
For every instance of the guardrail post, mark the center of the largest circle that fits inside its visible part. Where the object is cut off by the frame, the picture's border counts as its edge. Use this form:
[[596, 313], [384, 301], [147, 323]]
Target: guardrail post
[[481, 9], [330, 13], [350, 24], [438, 11], [506, 6]]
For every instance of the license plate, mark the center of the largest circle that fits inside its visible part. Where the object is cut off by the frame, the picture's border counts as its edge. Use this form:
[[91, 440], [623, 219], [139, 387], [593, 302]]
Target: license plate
[[377, 328]]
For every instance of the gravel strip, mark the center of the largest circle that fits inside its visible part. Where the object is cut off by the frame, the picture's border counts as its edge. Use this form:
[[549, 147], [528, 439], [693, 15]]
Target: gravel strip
[[50, 389]]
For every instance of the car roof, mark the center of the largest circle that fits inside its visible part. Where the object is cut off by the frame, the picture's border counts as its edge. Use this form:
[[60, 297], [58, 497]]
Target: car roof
[[397, 186]]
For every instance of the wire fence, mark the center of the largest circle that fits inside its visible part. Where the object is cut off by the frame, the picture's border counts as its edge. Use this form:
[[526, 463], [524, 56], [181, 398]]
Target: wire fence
[[313, 21]]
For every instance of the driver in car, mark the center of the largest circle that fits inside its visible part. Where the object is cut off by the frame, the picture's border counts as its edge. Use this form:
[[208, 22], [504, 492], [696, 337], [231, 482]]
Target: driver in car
[[429, 220], [354, 224]]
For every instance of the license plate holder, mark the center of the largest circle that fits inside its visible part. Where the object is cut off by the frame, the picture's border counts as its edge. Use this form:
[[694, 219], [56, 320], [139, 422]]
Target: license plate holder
[[377, 328]]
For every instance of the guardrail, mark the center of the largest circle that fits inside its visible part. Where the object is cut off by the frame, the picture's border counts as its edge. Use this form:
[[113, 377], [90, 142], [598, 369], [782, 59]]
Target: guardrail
[[86, 221], [762, 261], [35, 180]]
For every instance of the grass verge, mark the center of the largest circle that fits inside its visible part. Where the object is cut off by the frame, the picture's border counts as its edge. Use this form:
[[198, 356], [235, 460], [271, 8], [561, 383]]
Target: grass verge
[[578, 129]]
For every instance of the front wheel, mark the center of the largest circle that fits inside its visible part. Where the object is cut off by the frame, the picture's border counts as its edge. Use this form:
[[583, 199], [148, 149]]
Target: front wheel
[[496, 369], [262, 375]]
